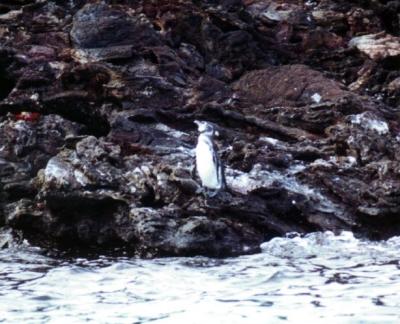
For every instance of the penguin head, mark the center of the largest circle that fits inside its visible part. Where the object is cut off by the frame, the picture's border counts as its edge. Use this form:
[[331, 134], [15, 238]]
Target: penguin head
[[205, 128]]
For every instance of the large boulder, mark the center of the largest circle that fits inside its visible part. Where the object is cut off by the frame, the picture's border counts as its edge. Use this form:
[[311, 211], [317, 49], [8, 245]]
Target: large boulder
[[100, 25]]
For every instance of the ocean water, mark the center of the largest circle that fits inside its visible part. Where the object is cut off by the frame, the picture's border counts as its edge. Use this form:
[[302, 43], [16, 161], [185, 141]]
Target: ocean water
[[318, 278]]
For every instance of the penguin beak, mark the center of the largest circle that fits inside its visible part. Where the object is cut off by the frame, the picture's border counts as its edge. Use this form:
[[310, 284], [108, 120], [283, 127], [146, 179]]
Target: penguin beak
[[198, 123]]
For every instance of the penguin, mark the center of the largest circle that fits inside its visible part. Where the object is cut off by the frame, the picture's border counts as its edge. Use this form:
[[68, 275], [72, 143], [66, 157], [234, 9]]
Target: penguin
[[208, 165]]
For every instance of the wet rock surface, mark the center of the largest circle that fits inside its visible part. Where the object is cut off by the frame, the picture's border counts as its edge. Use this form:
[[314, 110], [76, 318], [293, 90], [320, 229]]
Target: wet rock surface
[[96, 122]]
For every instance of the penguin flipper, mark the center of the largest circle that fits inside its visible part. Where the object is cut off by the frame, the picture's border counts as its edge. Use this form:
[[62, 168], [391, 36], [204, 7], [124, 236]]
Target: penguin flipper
[[223, 178], [193, 170]]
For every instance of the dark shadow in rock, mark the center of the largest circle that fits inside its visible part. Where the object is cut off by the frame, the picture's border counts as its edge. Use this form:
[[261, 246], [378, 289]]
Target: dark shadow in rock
[[79, 220], [7, 83], [79, 107], [4, 9]]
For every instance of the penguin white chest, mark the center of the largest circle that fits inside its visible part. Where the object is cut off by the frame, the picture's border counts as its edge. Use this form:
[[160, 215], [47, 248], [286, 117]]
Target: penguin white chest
[[206, 166]]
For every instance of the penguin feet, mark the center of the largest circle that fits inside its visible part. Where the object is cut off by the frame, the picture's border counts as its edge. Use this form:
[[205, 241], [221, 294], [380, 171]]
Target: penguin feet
[[208, 193], [199, 190], [212, 193]]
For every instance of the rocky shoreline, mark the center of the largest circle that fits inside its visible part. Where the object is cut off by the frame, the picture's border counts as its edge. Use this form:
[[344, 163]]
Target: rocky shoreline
[[98, 98]]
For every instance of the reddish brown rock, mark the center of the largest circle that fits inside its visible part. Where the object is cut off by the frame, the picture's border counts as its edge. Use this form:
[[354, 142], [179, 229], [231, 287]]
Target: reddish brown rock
[[292, 85]]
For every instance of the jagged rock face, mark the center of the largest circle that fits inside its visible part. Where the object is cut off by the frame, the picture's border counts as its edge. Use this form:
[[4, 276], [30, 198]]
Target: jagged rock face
[[100, 25], [303, 94], [27, 147]]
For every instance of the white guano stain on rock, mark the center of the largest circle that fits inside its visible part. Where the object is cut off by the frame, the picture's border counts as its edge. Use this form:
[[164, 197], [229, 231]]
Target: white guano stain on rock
[[343, 162], [81, 178], [377, 46], [258, 178], [170, 131], [58, 171], [316, 97], [370, 121]]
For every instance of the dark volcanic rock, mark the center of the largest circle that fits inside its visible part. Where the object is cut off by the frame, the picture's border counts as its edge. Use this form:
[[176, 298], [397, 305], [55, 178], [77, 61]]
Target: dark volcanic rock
[[26, 148], [100, 25], [97, 102]]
